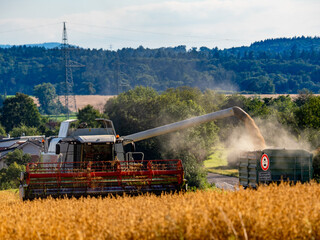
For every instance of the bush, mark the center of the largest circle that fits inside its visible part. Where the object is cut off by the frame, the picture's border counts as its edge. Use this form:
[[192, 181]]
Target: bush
[[18, 156], [16, 161], [88, 114], [10, 176], [2, 131], [195, 173], [23, 130]]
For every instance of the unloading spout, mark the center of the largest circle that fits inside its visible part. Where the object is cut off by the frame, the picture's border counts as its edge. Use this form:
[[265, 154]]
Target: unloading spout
[[195, 121], [239, 113], [179, 125]]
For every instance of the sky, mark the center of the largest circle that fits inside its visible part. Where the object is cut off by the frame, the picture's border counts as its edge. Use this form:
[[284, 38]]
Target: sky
[[111, 24]]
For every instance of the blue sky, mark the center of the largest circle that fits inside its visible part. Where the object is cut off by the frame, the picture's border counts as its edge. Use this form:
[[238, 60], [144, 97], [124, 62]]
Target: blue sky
[[162, 23]]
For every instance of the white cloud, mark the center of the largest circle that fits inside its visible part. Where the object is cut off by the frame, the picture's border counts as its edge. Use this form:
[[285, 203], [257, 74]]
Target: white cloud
[[222, 23]]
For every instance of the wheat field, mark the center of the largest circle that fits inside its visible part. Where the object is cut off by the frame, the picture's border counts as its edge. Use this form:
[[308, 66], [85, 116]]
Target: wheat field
[[274, 212]]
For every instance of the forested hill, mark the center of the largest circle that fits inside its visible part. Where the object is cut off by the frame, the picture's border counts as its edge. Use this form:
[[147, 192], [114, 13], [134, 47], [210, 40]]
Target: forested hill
[[282, 45], [270, 66], [48, 45]]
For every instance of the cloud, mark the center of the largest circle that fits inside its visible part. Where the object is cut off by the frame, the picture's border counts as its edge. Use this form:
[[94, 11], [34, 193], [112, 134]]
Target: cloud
[[222, 23]]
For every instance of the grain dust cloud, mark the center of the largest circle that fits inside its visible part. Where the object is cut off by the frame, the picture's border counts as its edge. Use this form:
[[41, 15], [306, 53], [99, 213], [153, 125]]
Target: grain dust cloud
[[270, 134], [255, 136]]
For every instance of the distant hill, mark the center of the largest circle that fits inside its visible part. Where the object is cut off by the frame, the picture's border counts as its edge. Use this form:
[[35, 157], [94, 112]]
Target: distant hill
[[48, 45], [281, 45], [282, 66], [285, 44]]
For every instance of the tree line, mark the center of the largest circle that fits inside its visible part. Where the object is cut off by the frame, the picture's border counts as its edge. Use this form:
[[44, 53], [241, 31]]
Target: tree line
[[270, 66], [144, 108]]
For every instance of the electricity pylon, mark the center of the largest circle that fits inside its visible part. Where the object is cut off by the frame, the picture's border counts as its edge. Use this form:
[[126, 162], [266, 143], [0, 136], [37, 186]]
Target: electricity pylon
[[69, 97]]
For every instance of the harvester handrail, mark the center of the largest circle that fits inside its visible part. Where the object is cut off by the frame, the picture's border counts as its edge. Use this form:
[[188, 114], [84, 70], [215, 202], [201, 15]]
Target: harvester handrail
[[157, 166]]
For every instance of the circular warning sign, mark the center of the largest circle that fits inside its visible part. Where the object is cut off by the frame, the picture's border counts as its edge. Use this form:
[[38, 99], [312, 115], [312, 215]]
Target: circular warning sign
[[264, 162]]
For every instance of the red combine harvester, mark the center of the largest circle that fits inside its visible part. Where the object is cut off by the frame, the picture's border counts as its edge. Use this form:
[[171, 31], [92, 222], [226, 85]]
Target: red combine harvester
[[92, 161]]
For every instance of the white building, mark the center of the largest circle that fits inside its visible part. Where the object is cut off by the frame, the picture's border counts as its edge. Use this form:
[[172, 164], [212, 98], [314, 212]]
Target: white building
[[32, 145]]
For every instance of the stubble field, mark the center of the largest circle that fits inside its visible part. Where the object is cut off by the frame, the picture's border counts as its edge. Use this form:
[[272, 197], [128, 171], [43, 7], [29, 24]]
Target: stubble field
[[97, 101], [274, 212]]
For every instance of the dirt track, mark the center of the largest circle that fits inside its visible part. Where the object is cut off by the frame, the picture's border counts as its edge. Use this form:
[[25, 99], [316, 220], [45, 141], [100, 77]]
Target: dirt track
[[223, 182]]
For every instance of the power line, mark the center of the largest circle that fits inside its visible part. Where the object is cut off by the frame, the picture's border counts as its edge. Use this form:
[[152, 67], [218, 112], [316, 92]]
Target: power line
[[145, 41], [198, 37], [161, 33], [28, 28], [104, 36]]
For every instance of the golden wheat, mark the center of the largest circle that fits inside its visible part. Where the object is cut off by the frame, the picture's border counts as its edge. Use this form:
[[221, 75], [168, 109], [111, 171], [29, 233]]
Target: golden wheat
[[274, 212]]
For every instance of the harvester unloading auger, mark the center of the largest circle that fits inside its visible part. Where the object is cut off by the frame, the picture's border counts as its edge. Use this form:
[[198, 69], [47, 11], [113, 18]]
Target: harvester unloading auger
[[92, 161]]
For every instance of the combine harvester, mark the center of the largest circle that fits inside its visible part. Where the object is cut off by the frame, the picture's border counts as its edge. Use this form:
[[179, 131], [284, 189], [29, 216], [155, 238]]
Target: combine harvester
[[92, 161]]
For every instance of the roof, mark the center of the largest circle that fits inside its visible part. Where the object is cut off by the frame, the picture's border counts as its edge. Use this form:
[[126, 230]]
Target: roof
[[9, 142], [21, 138], [18, 145], [96, 138], [38, 145]]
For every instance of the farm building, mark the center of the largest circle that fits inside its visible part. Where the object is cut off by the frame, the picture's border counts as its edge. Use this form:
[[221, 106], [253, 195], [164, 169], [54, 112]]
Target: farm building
[[29, 144]]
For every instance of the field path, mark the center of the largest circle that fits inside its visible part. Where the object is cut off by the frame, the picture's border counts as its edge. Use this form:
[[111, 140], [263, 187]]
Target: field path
[[223, 181]]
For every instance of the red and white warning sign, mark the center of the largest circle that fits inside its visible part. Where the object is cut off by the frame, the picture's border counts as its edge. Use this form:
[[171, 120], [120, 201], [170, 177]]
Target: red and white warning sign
[[264, 162]]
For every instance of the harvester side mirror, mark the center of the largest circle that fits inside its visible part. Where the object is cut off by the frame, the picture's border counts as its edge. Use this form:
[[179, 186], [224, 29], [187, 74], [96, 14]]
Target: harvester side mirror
[[58, 149]]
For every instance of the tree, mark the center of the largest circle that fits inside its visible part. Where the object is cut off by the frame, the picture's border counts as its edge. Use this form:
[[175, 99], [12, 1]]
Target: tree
[[128, 110], [2, 131], [308, 115], [283, 108], [16, 161], [88, 114], [304, 96], [18, 156], [49, 127], [2, 98], [261, 84], [9, 177], [18, 110], [46, 93], [23, 130]]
